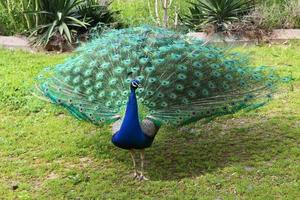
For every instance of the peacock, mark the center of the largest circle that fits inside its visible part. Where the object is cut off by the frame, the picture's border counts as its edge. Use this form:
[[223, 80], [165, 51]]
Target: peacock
[[138, 79]]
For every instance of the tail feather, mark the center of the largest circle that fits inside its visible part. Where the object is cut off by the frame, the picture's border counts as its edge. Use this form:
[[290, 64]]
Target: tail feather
[[184, 79]]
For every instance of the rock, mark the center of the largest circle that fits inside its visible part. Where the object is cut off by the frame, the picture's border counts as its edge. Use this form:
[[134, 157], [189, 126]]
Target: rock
[[194, 131], [52, 176], [184, 129], [15, 186], [249, 169]]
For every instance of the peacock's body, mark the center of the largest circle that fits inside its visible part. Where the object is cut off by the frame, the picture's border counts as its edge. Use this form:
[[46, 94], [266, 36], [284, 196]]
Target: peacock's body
[[183, 80]]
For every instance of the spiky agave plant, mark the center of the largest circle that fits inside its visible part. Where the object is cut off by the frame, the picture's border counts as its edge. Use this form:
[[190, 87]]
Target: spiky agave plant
[[95, 12], [56, 16], [216, 12]]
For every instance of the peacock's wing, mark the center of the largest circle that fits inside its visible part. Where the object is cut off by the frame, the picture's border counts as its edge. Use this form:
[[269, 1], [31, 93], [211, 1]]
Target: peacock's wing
[[149, 127], [116, 125], [185, 80]]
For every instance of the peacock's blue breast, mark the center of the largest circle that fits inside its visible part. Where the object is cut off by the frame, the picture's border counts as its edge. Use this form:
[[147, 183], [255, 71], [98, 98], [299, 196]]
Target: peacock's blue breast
[[131, 140]]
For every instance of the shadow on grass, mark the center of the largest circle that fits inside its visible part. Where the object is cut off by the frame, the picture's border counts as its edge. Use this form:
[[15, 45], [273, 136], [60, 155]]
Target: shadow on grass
[[175, 155]]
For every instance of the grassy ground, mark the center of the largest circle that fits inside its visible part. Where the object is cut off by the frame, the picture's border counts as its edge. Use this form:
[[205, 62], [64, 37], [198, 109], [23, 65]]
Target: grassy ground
[[50, 155]]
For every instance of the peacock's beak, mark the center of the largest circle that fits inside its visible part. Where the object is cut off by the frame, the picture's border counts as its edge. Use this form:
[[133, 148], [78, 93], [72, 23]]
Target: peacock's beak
[[140, 85]]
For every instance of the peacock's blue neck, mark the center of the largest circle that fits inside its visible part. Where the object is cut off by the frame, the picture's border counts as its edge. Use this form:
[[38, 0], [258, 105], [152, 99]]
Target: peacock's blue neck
[[131, 119]]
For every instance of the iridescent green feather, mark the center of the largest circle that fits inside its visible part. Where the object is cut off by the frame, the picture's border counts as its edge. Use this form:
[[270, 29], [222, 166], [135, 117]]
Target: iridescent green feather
[[184, 80]]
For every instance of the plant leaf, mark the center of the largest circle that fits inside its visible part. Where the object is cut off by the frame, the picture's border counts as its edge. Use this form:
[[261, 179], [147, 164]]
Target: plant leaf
[[67, 32]]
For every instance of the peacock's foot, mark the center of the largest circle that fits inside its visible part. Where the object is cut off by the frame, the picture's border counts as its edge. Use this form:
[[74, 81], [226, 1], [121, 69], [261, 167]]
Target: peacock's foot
[[143, 178]]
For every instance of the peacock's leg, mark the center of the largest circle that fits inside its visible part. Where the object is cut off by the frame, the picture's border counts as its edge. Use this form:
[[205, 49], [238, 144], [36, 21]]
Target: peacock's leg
[[135, 173], [142, 154]]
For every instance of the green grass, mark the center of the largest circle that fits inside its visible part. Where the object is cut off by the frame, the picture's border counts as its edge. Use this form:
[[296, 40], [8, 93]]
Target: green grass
[[137, 12], [51, 155]]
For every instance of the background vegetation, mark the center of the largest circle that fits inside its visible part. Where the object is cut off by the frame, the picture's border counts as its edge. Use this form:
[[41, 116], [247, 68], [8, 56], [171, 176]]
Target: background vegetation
[[12, 20], [55, 23], [44, 152], [285, 14], [137, 12], [268, 13]]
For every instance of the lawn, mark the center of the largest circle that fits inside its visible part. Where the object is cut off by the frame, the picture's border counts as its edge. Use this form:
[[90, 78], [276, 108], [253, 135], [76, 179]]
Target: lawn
[[47, 154]]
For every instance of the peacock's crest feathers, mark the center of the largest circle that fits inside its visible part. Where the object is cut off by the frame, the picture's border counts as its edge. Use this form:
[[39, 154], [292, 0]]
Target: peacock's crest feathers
[[183, 79]]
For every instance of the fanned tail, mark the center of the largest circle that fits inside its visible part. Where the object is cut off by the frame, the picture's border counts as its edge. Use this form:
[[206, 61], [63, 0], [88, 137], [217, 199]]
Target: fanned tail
[[184, 79]]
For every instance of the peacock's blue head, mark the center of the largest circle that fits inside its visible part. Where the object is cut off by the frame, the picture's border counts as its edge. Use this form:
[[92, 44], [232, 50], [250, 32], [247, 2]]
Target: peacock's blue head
[[135, 84]]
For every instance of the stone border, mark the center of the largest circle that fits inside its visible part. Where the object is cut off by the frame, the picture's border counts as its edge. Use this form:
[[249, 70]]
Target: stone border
[[13, 42], [277, 35]]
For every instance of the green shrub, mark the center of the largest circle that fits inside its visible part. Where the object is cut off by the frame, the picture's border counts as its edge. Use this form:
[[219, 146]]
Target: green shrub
[[218, 13], [133, 12], [267, 15], [12, 20], [61, 21], [96, 14], [285, 14], [57, 16]]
